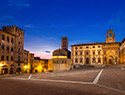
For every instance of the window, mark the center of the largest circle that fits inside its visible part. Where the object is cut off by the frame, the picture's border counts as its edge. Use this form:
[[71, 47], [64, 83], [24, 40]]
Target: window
[[11, 40], [7, 58], [2, 58], [19, 43], [18, 58], [12, 49], [76, 53], [98, 46], [87, 53], [105, 59], [87, 47], [80, 60], [18, 49], [110, 35], [11, 58], [76, 60], [3, 37], [76, 48], [80, 53], [8, 48], [7, 39], [93, 60], [98, 52], [93, 52], [2, 46], [93, 46], [80, 47], [99, 60]]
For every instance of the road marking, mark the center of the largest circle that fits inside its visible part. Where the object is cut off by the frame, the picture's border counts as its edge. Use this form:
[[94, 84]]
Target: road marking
[[97, 77], [30, 76], [117, 90]]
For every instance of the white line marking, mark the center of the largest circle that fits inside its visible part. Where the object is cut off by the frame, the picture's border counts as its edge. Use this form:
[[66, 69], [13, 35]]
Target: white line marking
[[30, 76], [117, 90], [48, 80], [97, 77]]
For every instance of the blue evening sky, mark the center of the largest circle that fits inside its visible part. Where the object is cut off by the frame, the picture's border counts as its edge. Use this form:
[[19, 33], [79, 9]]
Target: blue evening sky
[[46, 21]]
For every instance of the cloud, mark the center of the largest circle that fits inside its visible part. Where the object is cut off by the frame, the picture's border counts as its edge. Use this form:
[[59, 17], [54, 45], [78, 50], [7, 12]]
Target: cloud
[[19, 3], [29, 26]]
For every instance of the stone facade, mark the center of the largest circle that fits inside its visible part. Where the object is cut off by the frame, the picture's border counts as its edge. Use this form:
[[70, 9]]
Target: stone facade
[[61, 57], [97, 53], [11, 49], [122, 52]]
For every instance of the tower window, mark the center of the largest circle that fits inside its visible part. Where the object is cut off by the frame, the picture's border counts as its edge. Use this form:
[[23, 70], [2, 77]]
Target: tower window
[[110, 35]]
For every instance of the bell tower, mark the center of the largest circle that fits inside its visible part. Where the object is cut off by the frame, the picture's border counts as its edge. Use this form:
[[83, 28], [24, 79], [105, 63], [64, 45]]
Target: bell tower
[[110, 36]]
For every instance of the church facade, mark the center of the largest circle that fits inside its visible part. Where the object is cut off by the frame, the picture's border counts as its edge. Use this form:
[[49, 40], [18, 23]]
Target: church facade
[[97, 53]]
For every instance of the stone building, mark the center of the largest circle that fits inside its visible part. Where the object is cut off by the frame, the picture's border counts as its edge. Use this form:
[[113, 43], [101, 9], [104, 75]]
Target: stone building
[[96, 53], [61, 57], [28, 61], [122, 52], [11, 49]]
